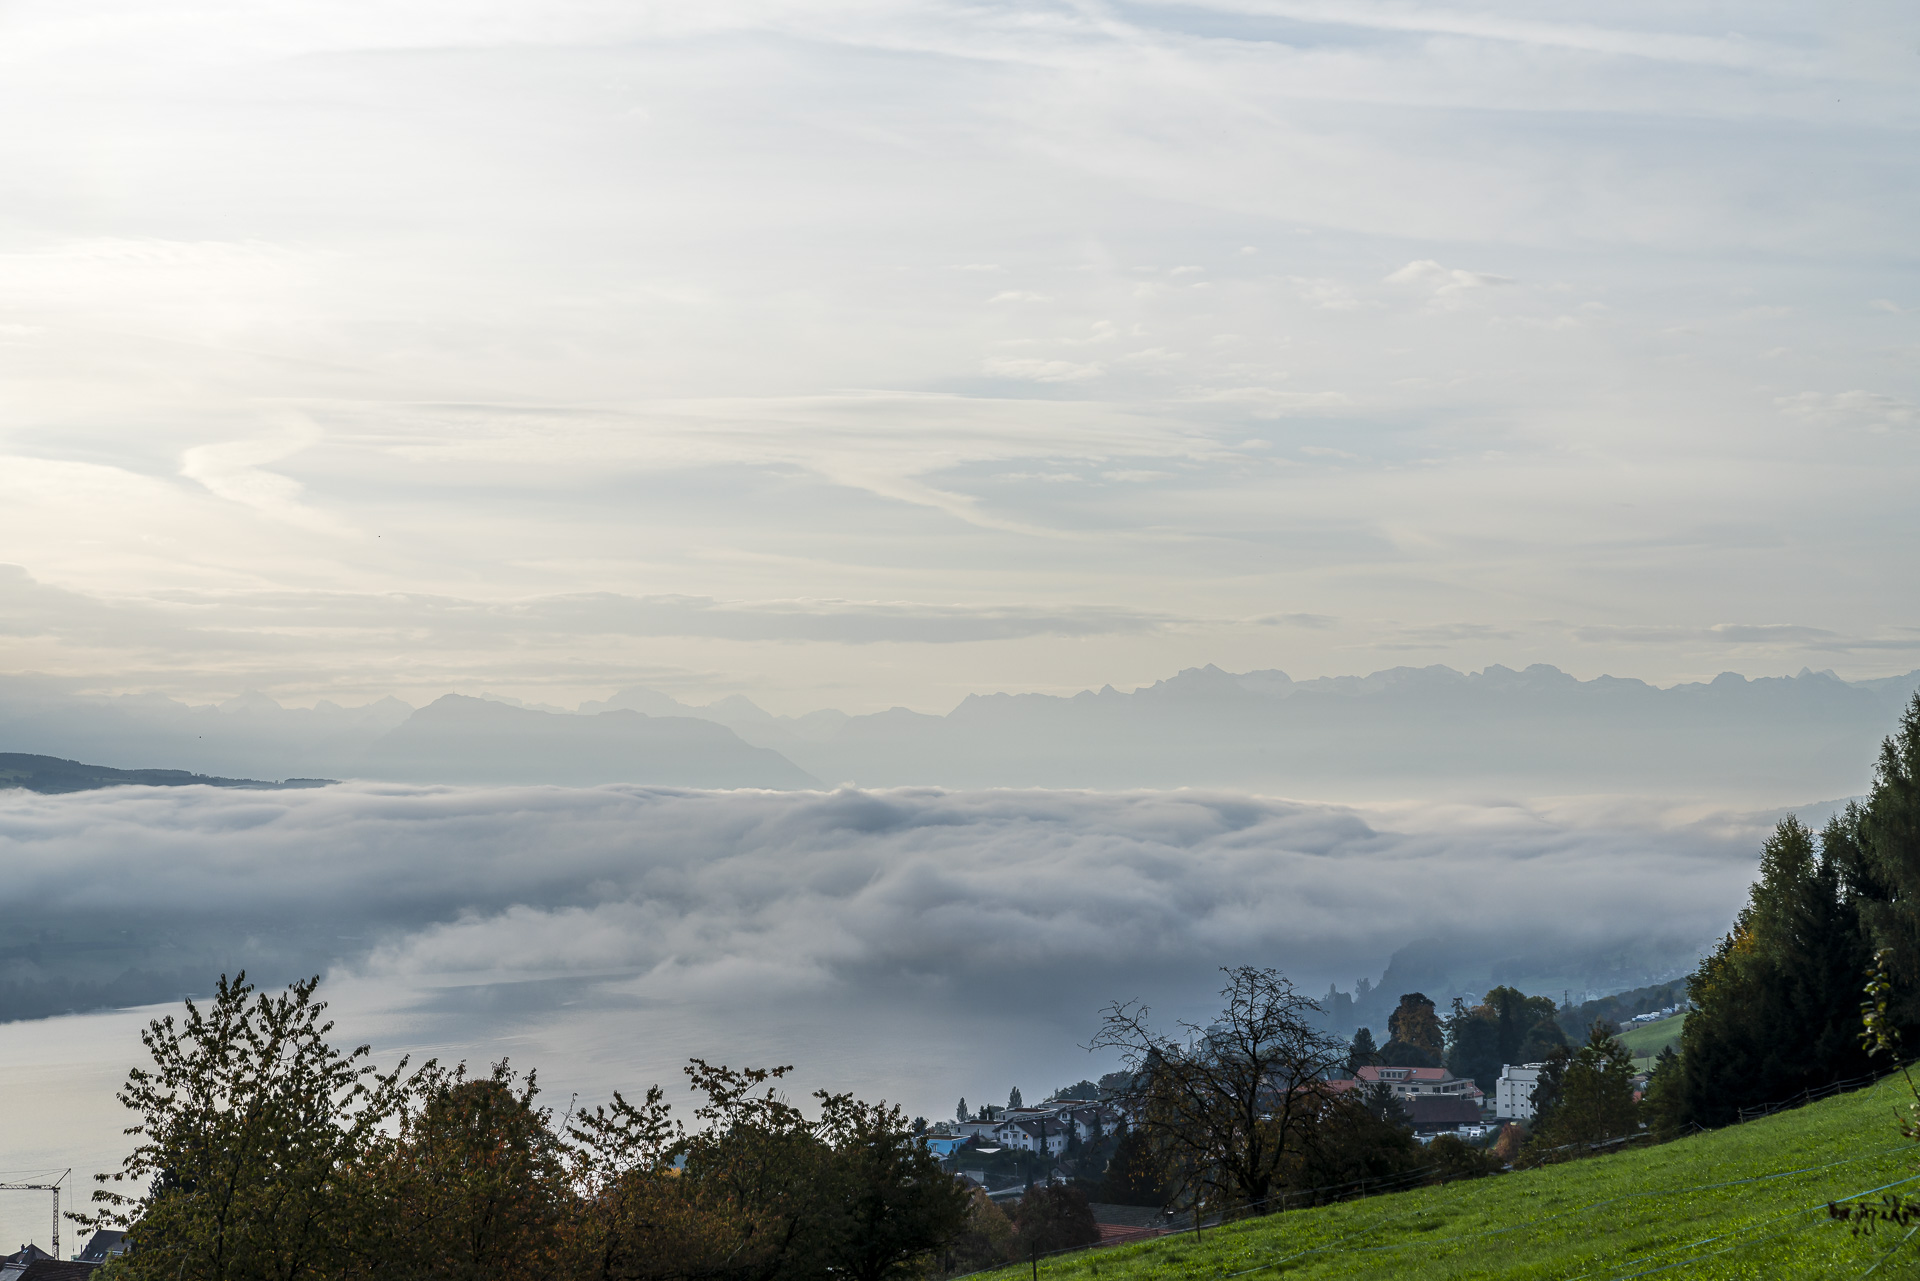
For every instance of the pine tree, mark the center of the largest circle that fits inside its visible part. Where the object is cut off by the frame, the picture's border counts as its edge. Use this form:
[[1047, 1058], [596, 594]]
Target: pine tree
[[1380, 1101], [1886, 873], [1662, 1105], [960, 1113], [1013, 1098], [1775, 1005], [1363, 1051], [1595, 1095]]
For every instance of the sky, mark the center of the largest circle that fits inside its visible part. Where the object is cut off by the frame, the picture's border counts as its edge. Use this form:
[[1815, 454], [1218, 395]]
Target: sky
[[867, 353]]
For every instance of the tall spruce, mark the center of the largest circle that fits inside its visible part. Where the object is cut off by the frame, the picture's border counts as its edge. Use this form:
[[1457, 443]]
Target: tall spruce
[[1594, 1099], [1776, 1004], [1887, 872]]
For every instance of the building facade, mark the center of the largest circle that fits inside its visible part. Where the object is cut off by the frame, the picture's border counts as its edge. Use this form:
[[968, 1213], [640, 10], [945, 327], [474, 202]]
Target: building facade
[[1513, 1092]]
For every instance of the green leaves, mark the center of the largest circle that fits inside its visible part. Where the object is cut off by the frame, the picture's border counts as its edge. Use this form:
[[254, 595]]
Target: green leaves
[[268, 1155], [246, 1119]]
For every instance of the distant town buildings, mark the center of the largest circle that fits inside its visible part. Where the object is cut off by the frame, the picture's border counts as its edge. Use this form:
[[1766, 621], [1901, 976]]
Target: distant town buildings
[[1410, 1083], [1513, 1092]]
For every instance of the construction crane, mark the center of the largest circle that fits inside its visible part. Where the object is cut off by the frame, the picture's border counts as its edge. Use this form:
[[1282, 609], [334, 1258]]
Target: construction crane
[[53, 1187]]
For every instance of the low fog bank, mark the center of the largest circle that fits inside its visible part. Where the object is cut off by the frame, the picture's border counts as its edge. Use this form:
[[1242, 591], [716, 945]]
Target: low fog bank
[[978, 906], [913, 944]]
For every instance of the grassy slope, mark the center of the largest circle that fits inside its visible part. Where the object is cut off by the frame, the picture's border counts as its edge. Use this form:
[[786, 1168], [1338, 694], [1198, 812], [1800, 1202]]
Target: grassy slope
[[1747, 1201], [1648, 1039]]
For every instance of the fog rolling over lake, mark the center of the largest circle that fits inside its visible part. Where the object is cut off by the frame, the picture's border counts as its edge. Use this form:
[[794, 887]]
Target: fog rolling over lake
[[917, 944]]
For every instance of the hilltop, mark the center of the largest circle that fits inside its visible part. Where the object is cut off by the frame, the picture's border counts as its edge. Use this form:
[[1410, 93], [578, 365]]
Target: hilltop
[[1745, 1201], [53, 774]]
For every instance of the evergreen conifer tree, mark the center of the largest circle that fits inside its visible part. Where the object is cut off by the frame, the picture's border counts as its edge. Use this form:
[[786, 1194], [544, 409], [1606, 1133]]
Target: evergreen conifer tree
[[1595, 1095], [1886, 872], [1363, 1051], [1775, 1006]]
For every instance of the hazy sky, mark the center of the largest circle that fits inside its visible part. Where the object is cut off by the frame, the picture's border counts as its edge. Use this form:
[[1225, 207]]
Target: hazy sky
[[874, 352]]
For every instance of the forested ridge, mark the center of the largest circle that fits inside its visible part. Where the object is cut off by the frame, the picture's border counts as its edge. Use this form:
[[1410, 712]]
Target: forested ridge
[[1777, 1004]]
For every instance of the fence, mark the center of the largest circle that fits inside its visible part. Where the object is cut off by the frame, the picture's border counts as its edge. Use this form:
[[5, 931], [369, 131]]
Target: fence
[[1295, 1199], [1425, 1176], [1811, 1094]]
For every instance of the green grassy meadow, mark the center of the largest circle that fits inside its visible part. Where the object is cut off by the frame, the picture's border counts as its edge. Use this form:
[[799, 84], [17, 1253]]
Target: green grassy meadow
[[1747, 1201], [1647, 1040]]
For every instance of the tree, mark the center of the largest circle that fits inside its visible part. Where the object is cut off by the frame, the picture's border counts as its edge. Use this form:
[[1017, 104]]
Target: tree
[[1362, 1052], [1227, 1106], [1884, 866], [1013, 1098], [886, 1205], [1546, 1087], [1473, 1044], [1774, 1004], [1413, 1034], [1133, 1176], [1454, 1158], [1594, 1096], [1379, 1100], [636, 1220], [246, 1118], [1507, 1027], [1055, 1217], [1358, 1136], [985, 1240], [960, 1113], [268, 1155], [1528, 1027], [472, 1184], [1662, 1105]]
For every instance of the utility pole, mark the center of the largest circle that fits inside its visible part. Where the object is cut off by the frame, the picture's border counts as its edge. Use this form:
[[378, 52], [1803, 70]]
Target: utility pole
[[53, 1187]]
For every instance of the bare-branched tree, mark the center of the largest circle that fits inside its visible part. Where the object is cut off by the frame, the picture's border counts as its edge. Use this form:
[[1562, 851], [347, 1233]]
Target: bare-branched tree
[[1229, 1107]]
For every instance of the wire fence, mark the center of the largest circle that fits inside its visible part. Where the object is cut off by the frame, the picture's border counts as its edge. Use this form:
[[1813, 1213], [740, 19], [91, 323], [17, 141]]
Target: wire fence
[[1814, 1093], [1433, 1176], [1291, 1199]]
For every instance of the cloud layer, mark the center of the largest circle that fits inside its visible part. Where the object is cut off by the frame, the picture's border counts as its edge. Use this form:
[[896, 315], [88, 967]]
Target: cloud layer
[[912, 944], [721, 902], [1060, 343]]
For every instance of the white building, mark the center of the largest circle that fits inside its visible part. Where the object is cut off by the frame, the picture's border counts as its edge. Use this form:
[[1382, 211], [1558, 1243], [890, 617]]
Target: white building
[[1513, 1092], [1035, 1134]]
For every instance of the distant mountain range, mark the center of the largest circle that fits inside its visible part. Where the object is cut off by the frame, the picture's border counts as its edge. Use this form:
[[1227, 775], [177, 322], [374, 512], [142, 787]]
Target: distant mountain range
[[1410, 732], [456, 739], [1402, 732]]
